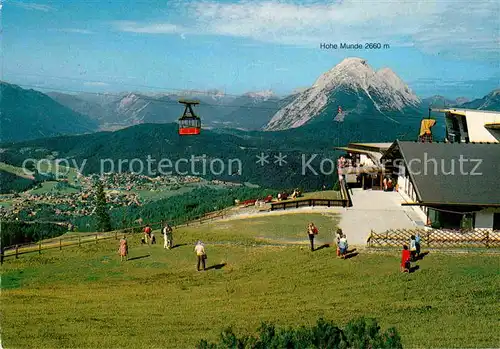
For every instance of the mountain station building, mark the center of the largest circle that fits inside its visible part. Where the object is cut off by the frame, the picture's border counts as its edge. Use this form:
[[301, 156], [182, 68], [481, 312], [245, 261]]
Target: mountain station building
[[454, 185], [451, 184]]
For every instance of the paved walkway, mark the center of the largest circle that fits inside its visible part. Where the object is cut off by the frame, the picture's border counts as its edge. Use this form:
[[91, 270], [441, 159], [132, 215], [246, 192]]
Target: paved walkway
[[377, 210]]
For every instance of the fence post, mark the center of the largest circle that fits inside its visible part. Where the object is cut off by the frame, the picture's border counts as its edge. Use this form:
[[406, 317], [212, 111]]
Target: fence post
[[17, 251], [39, 247], [487, 239], [116, 235], [79, 241], [60, 244], [96, 238]]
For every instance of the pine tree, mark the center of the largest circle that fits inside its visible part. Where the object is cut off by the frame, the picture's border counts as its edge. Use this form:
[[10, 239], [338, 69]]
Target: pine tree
[[103, 220]]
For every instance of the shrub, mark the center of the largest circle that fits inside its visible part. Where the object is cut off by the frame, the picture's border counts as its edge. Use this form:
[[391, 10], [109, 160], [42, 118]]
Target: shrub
[[362, 333]]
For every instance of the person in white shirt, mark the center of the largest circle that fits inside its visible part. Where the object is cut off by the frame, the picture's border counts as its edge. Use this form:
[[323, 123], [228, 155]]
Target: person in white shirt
[[168, 237], [343, 246], [201, 255]]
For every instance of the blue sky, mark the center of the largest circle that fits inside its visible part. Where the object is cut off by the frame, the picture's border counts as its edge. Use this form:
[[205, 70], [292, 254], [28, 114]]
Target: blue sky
[[446, 47]]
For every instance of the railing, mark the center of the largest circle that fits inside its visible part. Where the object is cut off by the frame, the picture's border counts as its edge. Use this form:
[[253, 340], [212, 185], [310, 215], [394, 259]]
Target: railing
[[344, 191], [437, 238], [296, 203], [81, 238]]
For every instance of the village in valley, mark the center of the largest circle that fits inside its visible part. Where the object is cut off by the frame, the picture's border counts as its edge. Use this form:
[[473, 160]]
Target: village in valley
[[73, 195]]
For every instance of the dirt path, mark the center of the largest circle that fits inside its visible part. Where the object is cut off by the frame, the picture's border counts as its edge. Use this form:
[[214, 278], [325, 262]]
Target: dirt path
[[252, 213]]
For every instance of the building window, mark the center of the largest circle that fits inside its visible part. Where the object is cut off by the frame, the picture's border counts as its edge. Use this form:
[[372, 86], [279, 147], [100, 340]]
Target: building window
[[448, 220], [496, 221], [468, 221]]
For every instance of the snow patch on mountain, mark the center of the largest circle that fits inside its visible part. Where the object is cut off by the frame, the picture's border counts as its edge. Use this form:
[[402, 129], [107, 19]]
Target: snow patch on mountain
[[383, 87], [262, 95], [127, 101]]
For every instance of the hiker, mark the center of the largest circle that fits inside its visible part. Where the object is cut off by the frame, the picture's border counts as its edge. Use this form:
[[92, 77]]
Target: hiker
[[200, 254], [123, 250], [153, 239], [338, 237], [413, 247], [405, 260], [311, 232], [168, 239], [343, 246], [147, 234], [417, 243]]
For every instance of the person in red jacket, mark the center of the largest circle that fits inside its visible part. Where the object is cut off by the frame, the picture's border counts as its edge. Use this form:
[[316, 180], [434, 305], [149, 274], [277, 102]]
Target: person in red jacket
[[405, 260], [147, 233]]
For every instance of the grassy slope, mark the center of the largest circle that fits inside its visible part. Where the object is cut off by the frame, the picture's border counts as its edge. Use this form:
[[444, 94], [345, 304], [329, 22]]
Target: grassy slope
[[86, 298], [49, 186], [60, 169], [18, 171]]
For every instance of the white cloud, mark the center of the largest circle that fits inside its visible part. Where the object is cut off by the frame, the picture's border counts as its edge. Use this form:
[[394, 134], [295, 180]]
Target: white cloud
[[34, 6], [95, 83], [77, 31], [148, 28], [73, 30], [464, 29]]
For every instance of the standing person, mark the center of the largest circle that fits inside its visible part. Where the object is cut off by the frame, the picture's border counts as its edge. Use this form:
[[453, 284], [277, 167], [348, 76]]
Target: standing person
[[405, 260], [337, 238], [311, 232], [147, 233], [413, 247], [168, 239], [123, 250], [417, 243], [343, 246], [200, 254]]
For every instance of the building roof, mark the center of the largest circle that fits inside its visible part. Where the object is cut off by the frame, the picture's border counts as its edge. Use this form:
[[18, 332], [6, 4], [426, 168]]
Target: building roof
[[451, 173], [371, 146], [373, 155], [461, 111], [493, 125]]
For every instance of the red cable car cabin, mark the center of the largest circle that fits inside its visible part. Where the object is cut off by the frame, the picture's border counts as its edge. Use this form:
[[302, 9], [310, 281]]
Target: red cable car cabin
[[189, 123]]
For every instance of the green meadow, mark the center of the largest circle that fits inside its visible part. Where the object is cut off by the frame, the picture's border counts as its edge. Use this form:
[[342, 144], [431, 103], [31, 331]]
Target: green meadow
[[260, 269]]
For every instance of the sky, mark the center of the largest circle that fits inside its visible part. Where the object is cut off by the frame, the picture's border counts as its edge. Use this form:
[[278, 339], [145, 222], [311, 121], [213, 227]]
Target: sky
[[445, 47]]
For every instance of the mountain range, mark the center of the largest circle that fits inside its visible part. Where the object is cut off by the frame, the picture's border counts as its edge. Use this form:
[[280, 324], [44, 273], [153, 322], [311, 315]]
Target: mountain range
[[488, 102], [248, 111], [30, 114], [365, 97]]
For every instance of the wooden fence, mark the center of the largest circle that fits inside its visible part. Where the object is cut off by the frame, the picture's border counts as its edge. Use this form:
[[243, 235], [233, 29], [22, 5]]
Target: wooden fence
[[78, 239], [296, 203], [437, 238]]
